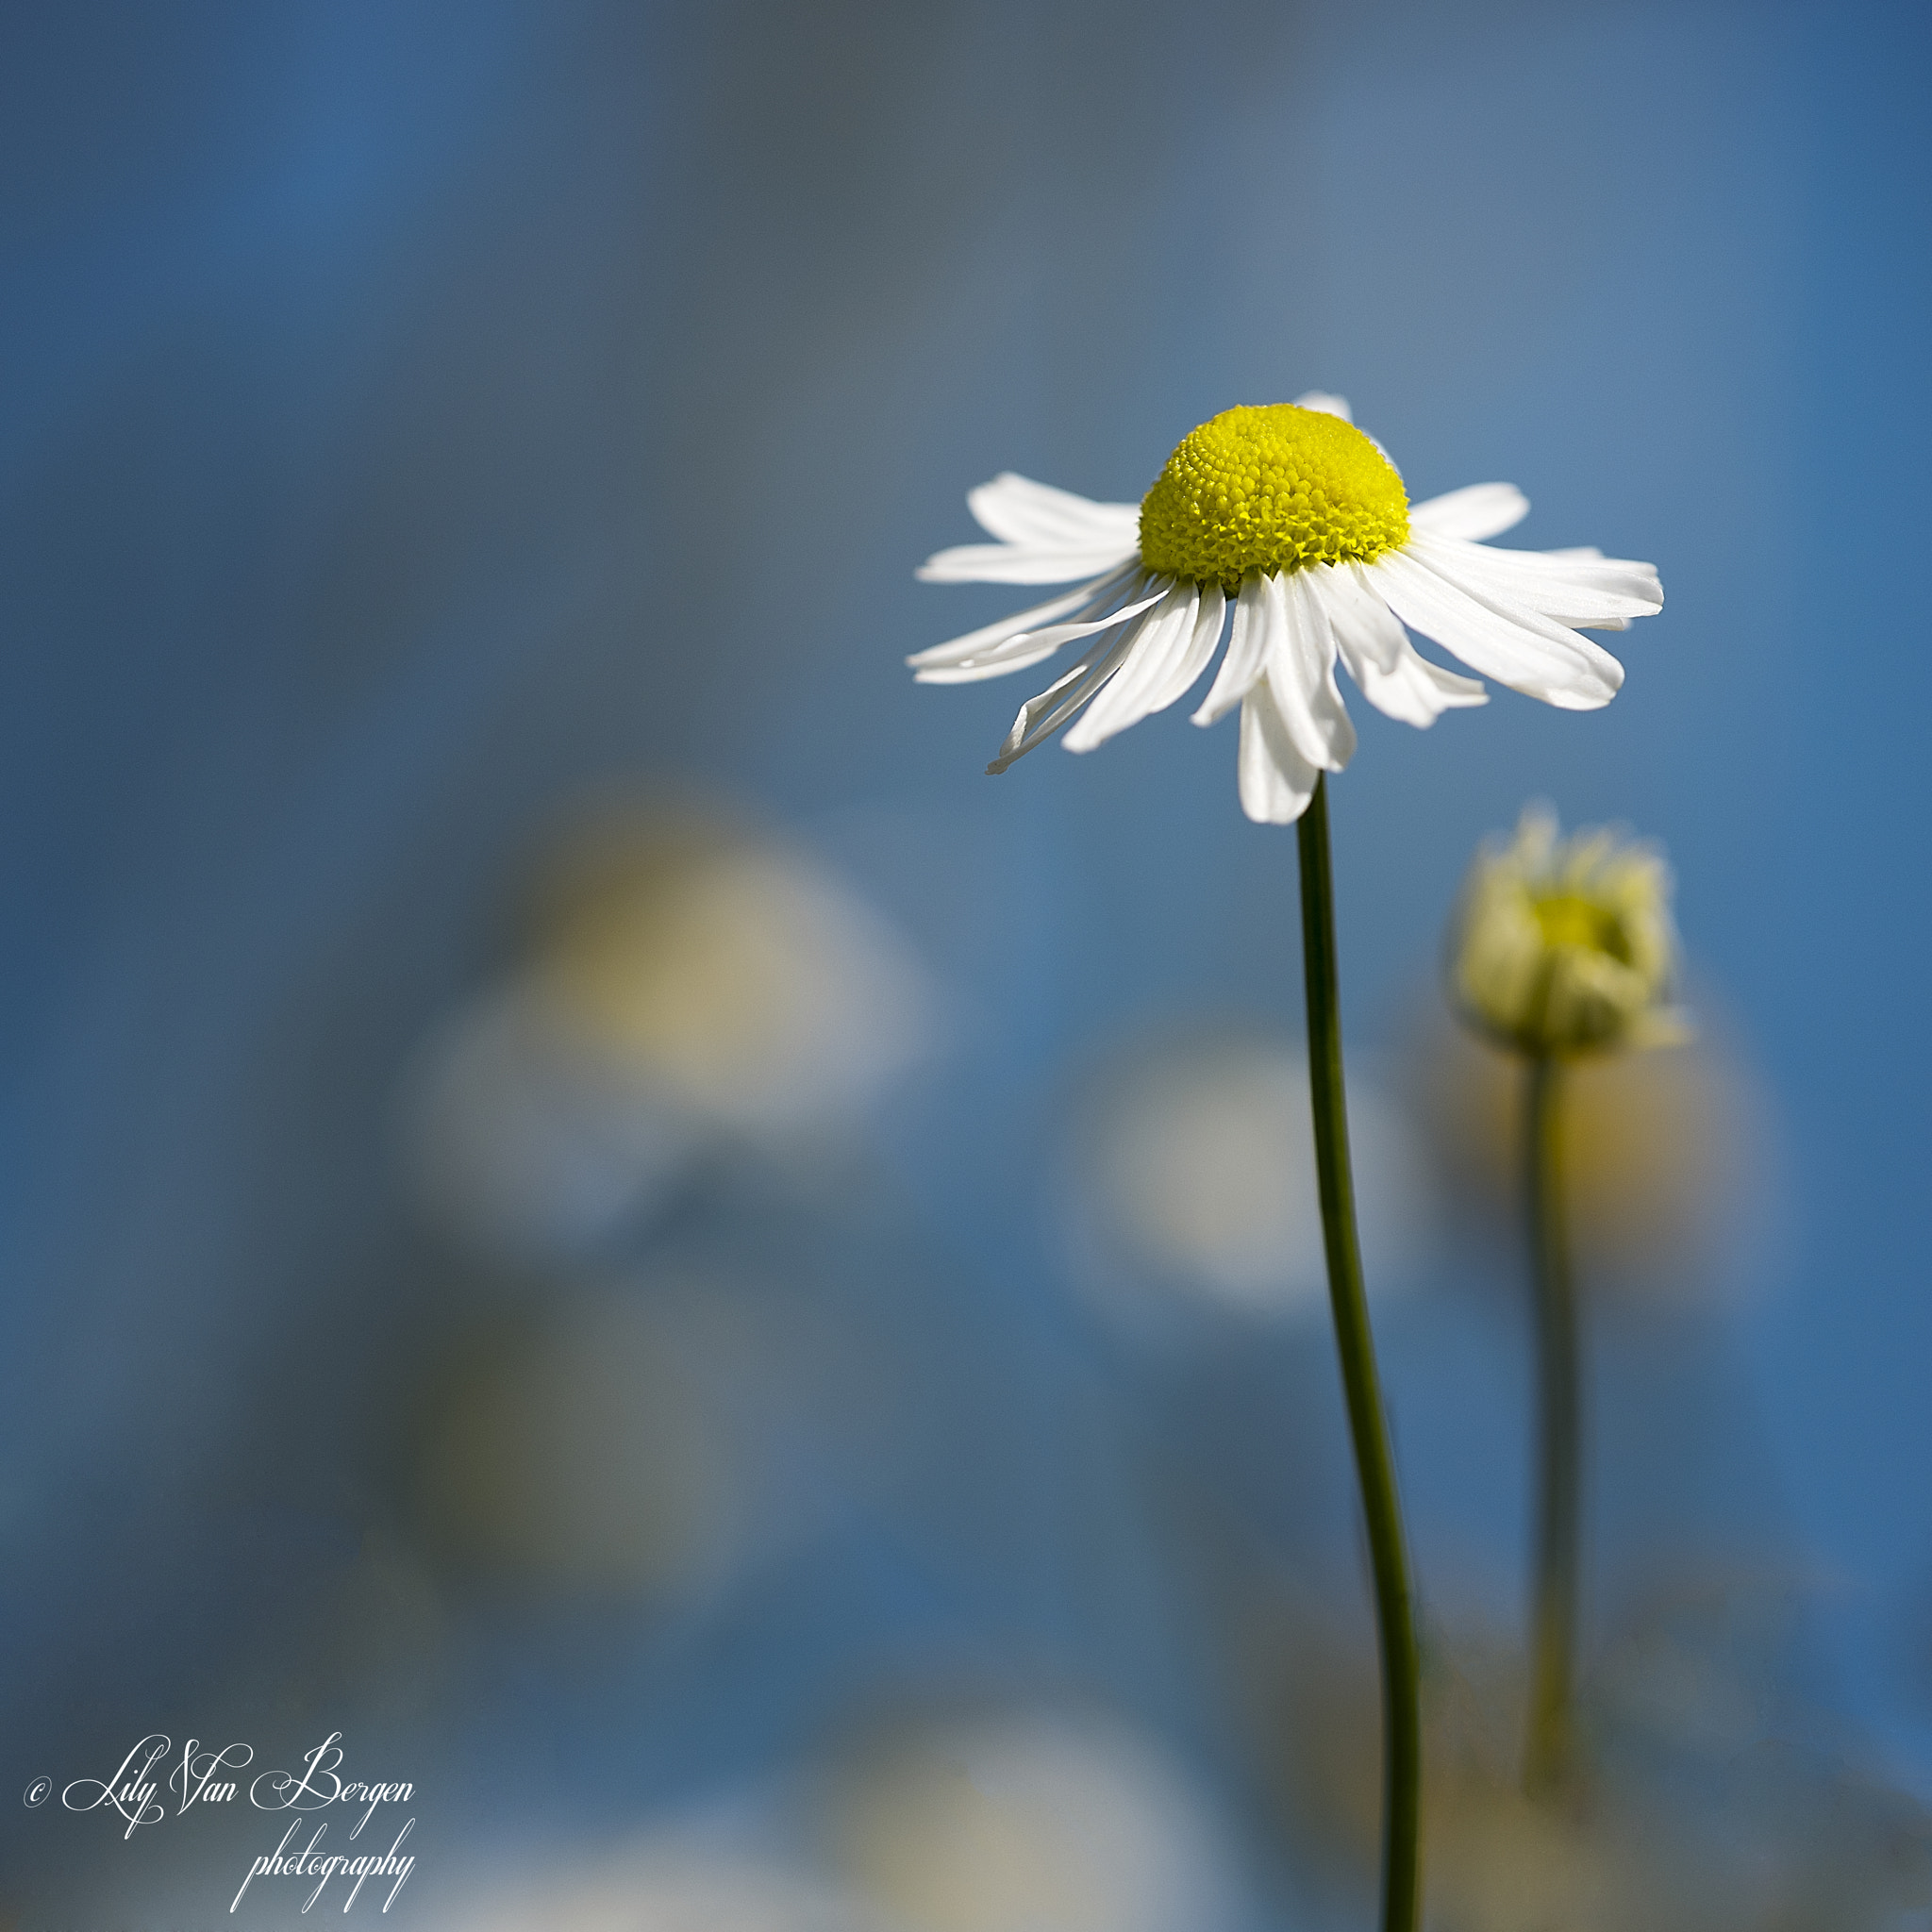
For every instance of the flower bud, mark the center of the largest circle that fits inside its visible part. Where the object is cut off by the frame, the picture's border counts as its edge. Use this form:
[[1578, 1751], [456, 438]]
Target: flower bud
[[1566, 947]]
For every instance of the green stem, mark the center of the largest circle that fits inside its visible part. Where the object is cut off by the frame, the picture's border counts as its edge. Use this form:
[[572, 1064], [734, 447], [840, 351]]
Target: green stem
[[1402, 1731], [1546, 1753]]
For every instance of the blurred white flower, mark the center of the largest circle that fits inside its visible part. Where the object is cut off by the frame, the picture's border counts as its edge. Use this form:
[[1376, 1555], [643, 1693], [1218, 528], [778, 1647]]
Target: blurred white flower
[[686, 987], [1297, 519], [765, 994], [1197, 1178], [1030, 1821], [656, 1886]]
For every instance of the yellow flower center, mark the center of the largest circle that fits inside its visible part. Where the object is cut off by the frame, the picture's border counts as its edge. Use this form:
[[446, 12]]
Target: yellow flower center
[[1271, 489], [1567, 919]]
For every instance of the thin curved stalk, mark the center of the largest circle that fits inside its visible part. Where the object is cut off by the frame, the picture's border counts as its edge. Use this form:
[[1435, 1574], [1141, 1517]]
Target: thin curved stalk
[[1553, 1617], [1375, 1463]]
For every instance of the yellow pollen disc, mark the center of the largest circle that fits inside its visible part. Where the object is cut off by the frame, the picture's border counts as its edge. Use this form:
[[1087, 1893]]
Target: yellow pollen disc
[[1569, 920], [1271, 489]]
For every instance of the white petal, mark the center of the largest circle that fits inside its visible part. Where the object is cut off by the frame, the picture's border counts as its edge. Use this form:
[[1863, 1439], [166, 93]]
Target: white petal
[[1482, 509], [1037, 516], [1437, 689], [1301, 672], [1416, 692], [1277, 782], [1366, 630], [1162, 644], [1040, 718], [1516, 647], [1589, 553], [1025, 651], [1049, 536], [1598, 588], [975, 644], [1211, 614], [1372, 643], [1247, 652], [1008, 563], [1325, 405], [1029, 647]]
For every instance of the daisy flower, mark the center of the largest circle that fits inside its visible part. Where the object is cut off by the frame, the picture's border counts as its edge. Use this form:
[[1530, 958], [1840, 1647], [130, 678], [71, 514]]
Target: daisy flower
[[1298, 522]]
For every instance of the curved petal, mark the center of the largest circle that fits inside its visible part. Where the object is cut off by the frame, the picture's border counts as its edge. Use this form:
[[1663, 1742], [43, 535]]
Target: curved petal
[[1516, 647], [1211, 613], [1601, 589], [1029, 647], [1162, 644], [1277, 782], [1376, 652], [1047, 535], [1247, 652], [1481, 509], [1009, 563], [1018, 511], [1365, 628], [1301, 672], [1593, 555], [1323, 403], [1020, 653], [1040, 718], [1415, 692], [974, 644]]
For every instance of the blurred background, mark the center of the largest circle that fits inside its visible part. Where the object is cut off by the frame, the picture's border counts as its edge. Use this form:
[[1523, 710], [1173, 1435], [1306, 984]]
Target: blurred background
[[589, 1204]]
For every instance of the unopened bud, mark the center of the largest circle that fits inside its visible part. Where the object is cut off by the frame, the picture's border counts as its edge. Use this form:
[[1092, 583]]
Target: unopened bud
[[1567, 946]]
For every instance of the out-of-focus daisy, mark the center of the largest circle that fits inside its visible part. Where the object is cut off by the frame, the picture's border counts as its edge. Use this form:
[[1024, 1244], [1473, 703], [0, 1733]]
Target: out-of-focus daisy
[[1298, 521], [1051, 1822], [657, 1884], [1194, 1167], [737, 973], [1566, 945], [689, 986]]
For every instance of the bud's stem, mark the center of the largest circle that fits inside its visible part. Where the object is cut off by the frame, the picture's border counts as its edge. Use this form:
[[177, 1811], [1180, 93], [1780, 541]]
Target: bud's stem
[[1374, 1464], [1546, 1754]]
